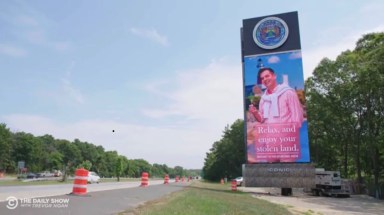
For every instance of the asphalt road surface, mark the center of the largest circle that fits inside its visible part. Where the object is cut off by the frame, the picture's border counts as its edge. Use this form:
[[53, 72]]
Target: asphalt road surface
[[94, 203], [33, 191]]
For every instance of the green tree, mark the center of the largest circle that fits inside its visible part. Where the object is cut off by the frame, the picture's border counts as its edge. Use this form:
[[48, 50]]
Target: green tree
[[52, 159], [110, 159], [142, 166], [71, 156], [6, 162], [47, 153], [89, 151], [346, 111], [159, 170], [99, 164], [179, 171], [119, 167], [226, 155], [86, 165], [28, 148], [55, 160]]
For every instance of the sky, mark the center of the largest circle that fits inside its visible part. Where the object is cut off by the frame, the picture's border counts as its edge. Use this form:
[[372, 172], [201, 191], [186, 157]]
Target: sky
[[166, 75]]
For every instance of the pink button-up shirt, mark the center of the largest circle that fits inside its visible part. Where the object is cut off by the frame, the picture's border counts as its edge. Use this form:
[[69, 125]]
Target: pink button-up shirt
[[290, 109]]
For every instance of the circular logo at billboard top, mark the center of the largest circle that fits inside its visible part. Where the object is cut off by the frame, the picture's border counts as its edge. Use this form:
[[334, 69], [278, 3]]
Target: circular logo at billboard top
[[270, 33]]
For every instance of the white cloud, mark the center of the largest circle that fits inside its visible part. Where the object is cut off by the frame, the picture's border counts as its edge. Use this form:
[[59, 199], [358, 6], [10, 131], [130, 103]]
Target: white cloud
[[212, 94], [273, 59], [154, 87], [332, 49], [151, 34], [69, 90], [12, 51]]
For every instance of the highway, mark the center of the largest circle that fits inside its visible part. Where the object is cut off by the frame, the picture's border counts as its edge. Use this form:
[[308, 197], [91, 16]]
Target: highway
[[62, 189], [102, 198]]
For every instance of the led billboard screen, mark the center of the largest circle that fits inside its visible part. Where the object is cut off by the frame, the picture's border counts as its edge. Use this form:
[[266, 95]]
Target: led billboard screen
[[274, 100]]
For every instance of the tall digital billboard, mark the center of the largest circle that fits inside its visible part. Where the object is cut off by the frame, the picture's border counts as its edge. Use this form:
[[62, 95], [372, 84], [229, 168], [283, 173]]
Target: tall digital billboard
[[273, 82]]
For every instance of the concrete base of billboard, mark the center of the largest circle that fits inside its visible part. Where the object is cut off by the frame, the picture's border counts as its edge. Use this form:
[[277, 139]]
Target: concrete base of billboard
[[283, 175]]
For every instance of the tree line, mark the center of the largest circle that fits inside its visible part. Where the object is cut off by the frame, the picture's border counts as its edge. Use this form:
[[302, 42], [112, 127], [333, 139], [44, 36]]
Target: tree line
[[345, 106], [346, 112], [42, 153], [226, 156]]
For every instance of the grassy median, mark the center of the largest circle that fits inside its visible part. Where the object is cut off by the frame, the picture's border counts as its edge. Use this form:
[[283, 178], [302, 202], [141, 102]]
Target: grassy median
[[208, 198]]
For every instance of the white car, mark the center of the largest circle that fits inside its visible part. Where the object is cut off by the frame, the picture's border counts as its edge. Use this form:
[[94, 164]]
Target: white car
[[45, 174], [239, 181], [93, 177], [57, 173]]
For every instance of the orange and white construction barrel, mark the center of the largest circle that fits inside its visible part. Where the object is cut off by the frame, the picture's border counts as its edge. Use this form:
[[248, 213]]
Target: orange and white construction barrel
[[234, 185], [80, 182], [166, 179], [144, 179]]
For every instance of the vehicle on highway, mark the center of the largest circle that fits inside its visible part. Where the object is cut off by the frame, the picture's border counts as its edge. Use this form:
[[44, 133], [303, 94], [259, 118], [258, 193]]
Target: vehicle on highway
[[57, 173], [45, 174], [32, 175], [239, 181], [93, 177]]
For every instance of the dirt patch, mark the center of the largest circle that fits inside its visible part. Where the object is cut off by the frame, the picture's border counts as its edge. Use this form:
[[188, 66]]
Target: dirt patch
[[304, 203]]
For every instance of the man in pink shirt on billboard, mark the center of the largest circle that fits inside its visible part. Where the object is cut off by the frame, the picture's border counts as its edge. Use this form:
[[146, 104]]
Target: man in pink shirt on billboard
[[279, 103], [280, 115]]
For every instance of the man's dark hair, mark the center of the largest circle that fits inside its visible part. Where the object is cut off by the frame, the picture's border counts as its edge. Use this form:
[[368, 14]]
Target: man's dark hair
[[261, 70]]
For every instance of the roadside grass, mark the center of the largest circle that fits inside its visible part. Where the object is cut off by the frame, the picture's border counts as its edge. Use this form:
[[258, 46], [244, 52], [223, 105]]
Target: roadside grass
[[208, 198], [17, 182]]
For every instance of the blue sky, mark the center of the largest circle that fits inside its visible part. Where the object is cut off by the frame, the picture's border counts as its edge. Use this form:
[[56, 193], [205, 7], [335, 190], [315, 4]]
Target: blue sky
[[165, 75]]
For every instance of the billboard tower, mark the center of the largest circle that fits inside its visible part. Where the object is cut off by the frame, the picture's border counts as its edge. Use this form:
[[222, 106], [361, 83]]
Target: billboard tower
[[277, 146]]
